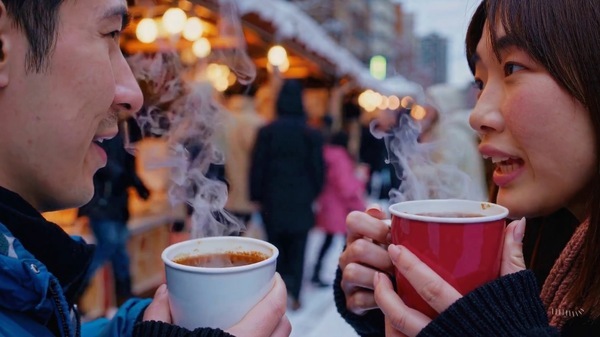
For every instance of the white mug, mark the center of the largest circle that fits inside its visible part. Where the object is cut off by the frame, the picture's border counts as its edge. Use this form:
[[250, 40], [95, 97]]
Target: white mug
[[216, 297]]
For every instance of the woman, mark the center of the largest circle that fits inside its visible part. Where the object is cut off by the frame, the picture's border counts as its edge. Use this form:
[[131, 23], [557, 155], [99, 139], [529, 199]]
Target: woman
[[537, 114]]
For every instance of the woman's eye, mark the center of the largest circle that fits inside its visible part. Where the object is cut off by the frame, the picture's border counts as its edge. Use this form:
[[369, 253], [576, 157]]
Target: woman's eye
[[478, 84], [510, 68]]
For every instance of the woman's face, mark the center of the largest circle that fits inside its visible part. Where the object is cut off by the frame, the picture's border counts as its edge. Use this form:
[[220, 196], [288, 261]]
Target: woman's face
[[539, 137]]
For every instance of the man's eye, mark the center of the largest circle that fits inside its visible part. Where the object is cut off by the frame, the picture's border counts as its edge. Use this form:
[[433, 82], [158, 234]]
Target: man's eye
[[510, 68], [116, 34]]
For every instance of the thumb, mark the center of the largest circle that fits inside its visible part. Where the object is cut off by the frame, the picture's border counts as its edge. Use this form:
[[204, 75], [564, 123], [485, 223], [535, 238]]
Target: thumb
[[159, 310], [512, 255]]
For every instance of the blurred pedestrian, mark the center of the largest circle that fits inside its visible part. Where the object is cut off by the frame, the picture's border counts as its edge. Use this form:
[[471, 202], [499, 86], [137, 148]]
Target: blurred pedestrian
[[342, 193], [286, 177], [241, 127]]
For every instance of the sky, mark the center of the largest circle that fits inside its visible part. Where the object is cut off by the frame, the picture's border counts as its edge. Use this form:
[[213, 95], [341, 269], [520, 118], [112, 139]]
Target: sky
[[448, 18]]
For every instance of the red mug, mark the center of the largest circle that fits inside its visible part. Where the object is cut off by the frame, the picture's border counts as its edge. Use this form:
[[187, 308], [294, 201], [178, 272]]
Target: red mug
[[461, 240]]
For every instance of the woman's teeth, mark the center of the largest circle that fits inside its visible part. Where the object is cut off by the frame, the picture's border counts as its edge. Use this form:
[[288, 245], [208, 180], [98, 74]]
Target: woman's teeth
[[498, 160], [506, 167]]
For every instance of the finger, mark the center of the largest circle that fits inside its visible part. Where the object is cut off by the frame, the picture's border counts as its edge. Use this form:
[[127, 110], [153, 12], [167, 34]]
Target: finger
[[158, 310], [361, 301], [357, 276], [512, 254], [362, 224], [429, 285], [265, 317], [402, 318], [390, 331], [366, 253], [283, 329]]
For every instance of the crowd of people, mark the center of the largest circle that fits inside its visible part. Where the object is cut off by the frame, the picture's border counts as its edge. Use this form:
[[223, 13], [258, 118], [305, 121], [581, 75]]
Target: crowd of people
[[65, 84]]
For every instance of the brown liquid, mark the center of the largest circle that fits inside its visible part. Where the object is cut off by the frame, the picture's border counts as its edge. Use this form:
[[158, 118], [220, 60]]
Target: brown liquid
[[221, 260], [451, 215]]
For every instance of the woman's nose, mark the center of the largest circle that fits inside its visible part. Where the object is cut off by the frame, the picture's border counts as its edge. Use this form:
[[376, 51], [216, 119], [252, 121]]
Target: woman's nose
[[486, 116]]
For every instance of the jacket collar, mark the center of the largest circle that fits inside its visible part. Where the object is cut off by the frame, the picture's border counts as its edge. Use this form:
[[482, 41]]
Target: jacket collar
[[66, 258]]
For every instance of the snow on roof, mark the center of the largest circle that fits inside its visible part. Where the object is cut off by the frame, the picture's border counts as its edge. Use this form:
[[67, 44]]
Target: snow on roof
[[291, 23]]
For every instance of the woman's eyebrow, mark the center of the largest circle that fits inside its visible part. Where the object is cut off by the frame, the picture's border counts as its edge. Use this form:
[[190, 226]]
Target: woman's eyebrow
[[474, 59], [505, 42]]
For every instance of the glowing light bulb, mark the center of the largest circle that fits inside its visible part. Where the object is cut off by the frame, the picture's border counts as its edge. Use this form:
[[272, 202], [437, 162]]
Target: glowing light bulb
[[193, 29], [407, 102], [174, 20], [201, 48], [418, 112], [146, 30], [277, 55], [384, 104], [394, 102]]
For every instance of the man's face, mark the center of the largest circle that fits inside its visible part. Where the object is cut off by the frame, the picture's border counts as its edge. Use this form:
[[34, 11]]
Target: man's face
[[50, 121]]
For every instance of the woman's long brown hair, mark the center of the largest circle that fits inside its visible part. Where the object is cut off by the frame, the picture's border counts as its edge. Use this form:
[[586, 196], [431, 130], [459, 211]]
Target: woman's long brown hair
[[564, 37]]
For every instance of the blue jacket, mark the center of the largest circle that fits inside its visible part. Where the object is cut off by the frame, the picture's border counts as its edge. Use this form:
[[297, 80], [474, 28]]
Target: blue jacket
[[33, 301]]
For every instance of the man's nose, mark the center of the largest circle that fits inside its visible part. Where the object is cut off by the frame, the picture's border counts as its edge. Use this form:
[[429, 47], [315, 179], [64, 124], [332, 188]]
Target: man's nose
[[128, 95]]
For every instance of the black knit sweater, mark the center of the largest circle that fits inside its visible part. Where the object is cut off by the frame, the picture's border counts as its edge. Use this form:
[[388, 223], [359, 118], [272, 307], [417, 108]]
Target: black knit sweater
[[161, 329], [508, 306]]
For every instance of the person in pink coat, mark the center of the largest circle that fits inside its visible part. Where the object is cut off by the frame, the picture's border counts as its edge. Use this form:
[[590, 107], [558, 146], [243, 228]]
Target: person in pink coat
[[342, 193]]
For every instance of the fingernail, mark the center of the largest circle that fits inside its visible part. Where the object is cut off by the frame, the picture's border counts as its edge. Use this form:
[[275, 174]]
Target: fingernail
[[394, 252], [162, 289], [388, 238], [376, 278], [374, 207], [519, 231]]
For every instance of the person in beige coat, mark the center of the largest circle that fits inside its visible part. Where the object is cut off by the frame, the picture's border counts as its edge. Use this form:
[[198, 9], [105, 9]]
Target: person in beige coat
[[241, 127]]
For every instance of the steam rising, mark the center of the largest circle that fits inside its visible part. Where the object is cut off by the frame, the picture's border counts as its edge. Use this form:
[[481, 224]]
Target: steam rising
[[186, 115], [422, 177]]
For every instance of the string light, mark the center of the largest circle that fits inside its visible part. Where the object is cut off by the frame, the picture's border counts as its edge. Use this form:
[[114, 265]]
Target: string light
[[201, 47], [146, 30], [277, 55], [174, 20], [193, 29]]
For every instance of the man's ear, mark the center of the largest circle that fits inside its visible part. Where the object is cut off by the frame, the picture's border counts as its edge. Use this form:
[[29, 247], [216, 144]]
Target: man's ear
[[5, 27]]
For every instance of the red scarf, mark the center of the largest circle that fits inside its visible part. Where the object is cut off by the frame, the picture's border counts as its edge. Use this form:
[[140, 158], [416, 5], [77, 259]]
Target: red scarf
[[559, 281]]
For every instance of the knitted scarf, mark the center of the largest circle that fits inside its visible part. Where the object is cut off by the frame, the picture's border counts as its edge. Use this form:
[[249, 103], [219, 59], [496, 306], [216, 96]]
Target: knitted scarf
[[556, 286]]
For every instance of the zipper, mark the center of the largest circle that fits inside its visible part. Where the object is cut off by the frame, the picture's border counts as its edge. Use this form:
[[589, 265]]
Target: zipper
[[61, 313]]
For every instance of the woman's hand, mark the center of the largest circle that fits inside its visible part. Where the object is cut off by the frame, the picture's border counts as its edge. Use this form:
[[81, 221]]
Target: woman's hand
[[365, 254], [266, 319], [401, 320]]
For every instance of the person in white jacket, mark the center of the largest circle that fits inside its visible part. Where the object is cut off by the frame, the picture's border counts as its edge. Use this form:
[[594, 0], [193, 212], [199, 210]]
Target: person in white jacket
[[446, 123]]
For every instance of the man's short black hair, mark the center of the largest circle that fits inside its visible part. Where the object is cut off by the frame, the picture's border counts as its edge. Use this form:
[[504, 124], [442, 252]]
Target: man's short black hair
[[38, 19]]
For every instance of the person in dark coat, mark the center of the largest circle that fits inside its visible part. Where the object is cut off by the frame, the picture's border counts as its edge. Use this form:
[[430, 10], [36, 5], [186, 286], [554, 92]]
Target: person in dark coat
[[286, 177], [108, 212]]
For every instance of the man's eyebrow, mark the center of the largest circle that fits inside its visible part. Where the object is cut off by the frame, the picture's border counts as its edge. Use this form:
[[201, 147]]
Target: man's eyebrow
[[118, 11]]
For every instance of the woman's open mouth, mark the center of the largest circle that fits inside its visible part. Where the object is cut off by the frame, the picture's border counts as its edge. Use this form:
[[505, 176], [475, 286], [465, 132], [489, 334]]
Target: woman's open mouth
[[507, 165], [507, 169]]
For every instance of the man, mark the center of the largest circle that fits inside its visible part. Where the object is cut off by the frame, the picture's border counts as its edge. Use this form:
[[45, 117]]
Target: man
[[63, 80]]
